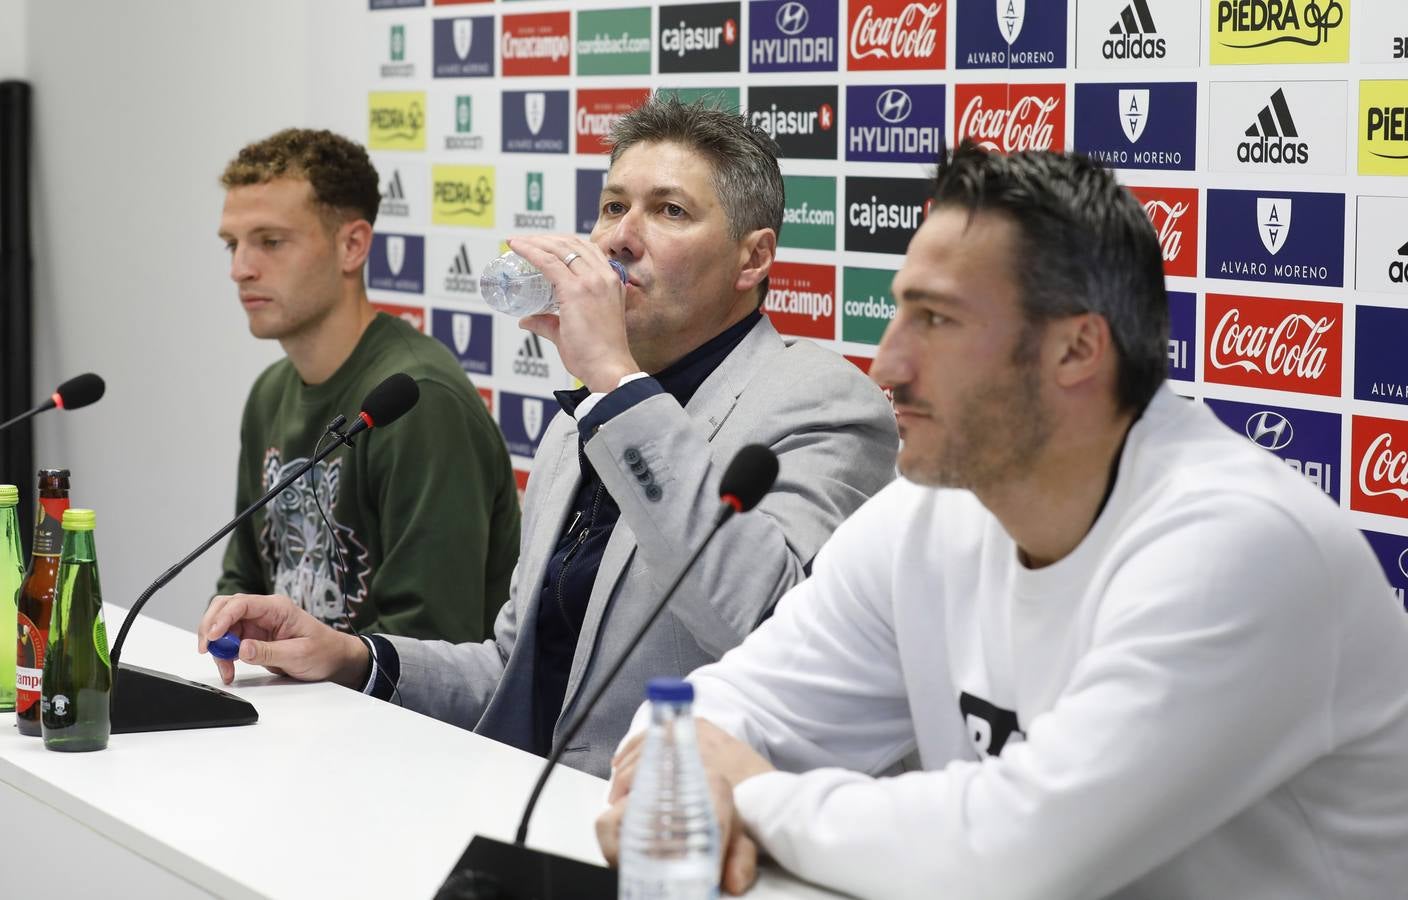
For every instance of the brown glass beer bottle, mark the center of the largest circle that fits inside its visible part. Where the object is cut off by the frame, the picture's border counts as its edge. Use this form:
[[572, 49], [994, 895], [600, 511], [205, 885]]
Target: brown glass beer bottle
[[36, 598]]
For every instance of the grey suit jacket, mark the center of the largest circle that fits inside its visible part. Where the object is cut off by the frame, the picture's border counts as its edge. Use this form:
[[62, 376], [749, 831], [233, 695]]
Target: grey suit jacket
[[835, 437]]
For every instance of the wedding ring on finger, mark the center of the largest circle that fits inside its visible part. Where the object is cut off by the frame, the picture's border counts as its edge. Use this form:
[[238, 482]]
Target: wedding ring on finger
[[570, 258]]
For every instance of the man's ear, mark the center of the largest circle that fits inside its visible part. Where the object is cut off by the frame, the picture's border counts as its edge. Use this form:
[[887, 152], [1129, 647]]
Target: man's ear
[[354, 243], [1082, 347], [756, 253]]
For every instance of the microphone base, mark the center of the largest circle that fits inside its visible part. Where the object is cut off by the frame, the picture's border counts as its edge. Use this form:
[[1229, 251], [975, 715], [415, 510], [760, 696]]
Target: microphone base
[[494, 870], [147, 700]]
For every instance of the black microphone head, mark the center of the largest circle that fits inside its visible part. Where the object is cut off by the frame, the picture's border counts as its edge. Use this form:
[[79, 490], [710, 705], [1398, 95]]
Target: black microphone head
[[748, 477], [79, 391], [390, 400]]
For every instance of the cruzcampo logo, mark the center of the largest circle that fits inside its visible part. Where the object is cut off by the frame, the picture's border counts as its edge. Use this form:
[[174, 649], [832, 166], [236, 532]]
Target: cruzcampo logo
[[866, 305], [614, 42], [727, 99], [1383, 127], [809, 212], [396, 120], [535, 192], [462, 195]]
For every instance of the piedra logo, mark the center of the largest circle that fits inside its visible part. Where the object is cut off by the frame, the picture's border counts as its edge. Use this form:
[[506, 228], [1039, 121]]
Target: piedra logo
[[396, 120], [1279, 31], [1383, 128]]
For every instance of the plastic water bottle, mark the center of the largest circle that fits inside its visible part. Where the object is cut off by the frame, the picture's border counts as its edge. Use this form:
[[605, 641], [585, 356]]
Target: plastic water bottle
[[514, 286], [670, 835]]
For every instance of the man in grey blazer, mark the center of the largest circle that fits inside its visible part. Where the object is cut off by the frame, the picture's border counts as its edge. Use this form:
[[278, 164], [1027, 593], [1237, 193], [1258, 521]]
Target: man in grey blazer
[[679, 370]]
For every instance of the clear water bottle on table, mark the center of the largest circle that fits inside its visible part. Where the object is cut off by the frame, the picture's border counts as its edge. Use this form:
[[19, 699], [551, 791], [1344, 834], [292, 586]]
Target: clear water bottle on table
[[670, 835], [514, 286]]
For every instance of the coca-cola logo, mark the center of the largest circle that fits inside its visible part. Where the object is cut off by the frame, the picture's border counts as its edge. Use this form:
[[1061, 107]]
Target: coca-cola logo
[[1165, 217], [897, 35], [1029, 124], [1383, 469], [1292, 348]]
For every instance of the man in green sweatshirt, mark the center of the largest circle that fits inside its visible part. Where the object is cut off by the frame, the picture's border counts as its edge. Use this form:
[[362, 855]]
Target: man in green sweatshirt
[[415, 530]]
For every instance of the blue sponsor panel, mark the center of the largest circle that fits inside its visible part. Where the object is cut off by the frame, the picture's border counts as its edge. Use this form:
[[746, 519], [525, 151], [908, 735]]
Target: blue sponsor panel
[[1182, 335], [1308, 441], [589, 185], [1392, 551], [469, 336], [397, 263], [1285, 237], [536, 121], [1138, 126], [523, 419], [464, 47], [895, 123], [792, 36], [1010, 34], [394, 4], [1380, 363]]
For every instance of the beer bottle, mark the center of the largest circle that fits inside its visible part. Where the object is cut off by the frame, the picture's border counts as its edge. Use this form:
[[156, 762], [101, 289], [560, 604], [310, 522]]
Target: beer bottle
[[11, 574], [77, 689], [36, 597]]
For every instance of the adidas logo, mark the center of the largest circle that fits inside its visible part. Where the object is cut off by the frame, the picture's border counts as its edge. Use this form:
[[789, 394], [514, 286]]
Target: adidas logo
[[1270, 133], [1133, 35], [1398, 269], [459, 279], [530, 360], [393, 198]]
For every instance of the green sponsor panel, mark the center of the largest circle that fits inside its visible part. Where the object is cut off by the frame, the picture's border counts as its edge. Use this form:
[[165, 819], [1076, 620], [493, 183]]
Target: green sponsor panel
[[614, 41], [809, 213], [725, 98], [866, 304]]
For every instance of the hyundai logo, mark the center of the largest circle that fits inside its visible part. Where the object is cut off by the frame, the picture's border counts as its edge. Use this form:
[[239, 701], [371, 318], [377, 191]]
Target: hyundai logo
[[894, 106], [1270, 430], [1403, 563], [792, 18]]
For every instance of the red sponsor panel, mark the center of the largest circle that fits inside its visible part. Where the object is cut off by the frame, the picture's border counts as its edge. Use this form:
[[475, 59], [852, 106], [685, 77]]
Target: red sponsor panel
[[1284, 345], [412, 315], [1174, 215], [1379, 463], [487, 395], [598, 110], [1008, 118], [802, 299], [897, 34], [537, 44], [861, 362], [521, 478]]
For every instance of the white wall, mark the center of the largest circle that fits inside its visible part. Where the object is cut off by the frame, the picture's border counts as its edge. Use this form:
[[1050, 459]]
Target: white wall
[[138, 107]]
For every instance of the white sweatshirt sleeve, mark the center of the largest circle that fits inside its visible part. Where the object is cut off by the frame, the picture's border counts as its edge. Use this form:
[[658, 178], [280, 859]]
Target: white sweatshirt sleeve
[[1207, 684]]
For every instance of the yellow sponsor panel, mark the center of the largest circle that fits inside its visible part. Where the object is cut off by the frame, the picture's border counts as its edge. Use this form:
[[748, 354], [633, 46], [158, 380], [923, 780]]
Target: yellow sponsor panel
[[1383, 128], [396, 120], [462, 195], [1278, 31]]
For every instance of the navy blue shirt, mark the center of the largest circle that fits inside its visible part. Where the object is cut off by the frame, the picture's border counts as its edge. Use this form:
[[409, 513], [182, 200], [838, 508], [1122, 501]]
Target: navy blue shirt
[[572, 569]]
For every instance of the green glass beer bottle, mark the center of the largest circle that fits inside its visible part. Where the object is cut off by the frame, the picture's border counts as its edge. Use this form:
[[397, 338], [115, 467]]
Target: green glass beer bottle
[[11, 574], [76, 696]]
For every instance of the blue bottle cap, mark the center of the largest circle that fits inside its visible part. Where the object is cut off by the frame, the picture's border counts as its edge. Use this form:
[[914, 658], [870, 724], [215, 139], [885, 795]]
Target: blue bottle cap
[[669, 690], [227, 647], [620, 270]]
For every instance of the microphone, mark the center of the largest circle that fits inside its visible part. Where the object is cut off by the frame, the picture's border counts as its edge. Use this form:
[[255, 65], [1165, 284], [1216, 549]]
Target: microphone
[[147, 700], [492, 868], [76, 393]]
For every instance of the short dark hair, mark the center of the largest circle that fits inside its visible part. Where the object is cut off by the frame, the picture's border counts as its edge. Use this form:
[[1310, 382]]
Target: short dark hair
[[742, 157], [345, 184], [1085, 245]]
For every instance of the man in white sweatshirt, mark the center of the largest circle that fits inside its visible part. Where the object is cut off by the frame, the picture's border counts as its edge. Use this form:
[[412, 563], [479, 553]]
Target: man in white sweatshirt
[[1137, 656]]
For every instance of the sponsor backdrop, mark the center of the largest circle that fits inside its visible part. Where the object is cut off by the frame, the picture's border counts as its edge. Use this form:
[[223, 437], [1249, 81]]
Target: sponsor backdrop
[[1267, 140]]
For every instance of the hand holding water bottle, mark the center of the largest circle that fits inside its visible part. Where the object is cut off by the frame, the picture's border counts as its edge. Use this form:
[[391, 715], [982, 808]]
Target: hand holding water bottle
[[589, 328]]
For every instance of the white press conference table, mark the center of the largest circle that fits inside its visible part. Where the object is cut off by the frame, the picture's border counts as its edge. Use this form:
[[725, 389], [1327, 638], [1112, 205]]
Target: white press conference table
[[331, 794]]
